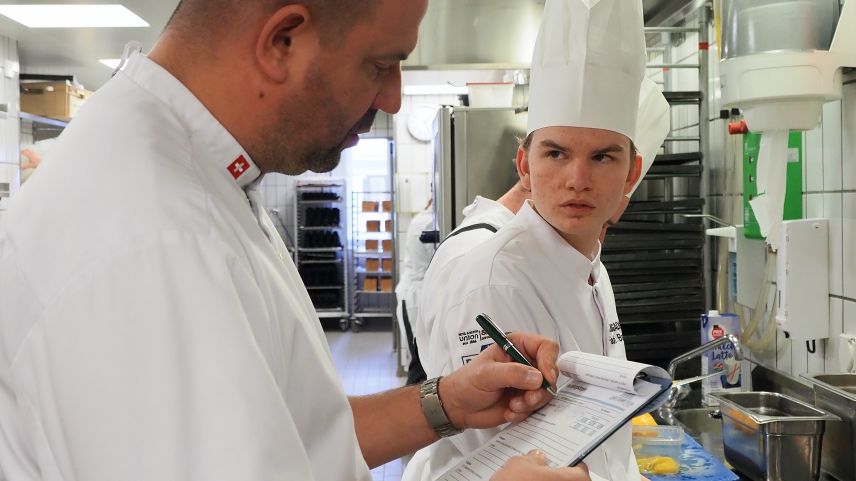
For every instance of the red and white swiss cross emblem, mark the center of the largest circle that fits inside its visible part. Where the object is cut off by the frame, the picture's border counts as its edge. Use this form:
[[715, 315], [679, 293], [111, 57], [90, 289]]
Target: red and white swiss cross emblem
[[238, 167]]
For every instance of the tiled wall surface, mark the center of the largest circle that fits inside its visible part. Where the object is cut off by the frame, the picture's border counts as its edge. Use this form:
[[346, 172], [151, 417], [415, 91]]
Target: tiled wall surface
[[829, 192]]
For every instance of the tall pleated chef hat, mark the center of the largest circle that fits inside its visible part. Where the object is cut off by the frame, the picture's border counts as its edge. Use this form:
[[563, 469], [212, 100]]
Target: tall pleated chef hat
[[588, 66], [652, 125]]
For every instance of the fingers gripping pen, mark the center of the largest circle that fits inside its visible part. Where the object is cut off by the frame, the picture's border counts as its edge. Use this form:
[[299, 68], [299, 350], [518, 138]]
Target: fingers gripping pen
[[502, 341]]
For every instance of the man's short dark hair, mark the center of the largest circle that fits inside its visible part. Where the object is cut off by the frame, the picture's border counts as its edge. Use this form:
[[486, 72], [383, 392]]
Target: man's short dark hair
[[336, 17]]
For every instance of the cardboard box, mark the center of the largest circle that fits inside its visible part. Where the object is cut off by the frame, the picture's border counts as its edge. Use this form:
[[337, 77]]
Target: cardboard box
[[387, 225], [371, 244], [370, 284], [386, 284], [373, 225], [386, 206], [372, 265], [369, 206], [57, 100], [387, 245], [386, 264]]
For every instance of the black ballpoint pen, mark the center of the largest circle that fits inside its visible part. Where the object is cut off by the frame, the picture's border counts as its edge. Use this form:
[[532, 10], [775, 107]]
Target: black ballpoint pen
[[502, 341]]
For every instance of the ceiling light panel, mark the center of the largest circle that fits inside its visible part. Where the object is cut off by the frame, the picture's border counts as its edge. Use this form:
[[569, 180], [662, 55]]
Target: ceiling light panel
[[72, 16]]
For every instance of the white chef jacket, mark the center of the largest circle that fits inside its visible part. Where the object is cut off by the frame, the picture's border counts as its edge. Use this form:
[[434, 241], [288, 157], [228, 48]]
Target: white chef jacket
[[417, 256], [450, 251], [149, 329], [527, 278]]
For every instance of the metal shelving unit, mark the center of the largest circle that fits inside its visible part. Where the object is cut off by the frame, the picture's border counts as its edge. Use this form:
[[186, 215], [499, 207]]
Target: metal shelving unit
[[320, 246], [657, 258], [372, 256]]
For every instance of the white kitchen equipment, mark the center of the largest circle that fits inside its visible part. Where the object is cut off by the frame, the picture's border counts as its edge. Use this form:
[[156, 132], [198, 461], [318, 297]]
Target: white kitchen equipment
[[780, 64], [803, 279]]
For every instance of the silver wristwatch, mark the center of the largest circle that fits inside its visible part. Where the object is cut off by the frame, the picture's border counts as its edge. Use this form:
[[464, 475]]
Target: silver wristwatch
[[433, 409]]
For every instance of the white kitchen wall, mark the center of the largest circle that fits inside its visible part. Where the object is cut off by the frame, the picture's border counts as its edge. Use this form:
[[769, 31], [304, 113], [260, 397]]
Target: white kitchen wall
[[829, 192], [9, 122]]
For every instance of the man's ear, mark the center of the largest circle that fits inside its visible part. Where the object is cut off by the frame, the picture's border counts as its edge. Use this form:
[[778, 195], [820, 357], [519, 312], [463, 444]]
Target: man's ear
[[522, 163], [634, 174], [287, 32]]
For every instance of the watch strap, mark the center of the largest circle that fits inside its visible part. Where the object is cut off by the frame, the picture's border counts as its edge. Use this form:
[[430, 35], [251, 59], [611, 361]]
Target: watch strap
[[432, 407]]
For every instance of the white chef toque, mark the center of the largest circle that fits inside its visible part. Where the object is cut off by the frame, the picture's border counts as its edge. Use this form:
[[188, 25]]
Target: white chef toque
[[588, 66], [652, 125]]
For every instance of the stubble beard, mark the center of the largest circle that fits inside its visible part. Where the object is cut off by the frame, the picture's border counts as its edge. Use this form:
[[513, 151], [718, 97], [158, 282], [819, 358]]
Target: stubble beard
[[290, 144]]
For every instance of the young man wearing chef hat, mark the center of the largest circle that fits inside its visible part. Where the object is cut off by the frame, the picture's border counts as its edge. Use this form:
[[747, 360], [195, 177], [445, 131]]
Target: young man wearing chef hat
[[589, 109]]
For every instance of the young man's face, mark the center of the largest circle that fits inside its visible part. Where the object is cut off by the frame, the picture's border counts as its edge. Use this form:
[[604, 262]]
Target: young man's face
[[578, 177]]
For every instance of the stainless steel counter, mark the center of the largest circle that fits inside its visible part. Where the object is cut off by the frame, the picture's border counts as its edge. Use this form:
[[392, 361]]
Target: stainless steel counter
[[706, 429]]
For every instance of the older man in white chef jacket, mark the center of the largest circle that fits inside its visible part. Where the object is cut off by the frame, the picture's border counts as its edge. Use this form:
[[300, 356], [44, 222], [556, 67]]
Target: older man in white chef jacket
[[542, 271], [153, 326]]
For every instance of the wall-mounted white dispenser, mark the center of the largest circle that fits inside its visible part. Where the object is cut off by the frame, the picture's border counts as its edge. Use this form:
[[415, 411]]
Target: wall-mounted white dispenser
[[802, 279], [781, 61]]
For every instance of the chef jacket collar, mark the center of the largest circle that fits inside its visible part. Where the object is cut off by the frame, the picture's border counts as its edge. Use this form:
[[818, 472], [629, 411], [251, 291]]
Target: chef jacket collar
[[569, 261], [220, 147], [481, 203]]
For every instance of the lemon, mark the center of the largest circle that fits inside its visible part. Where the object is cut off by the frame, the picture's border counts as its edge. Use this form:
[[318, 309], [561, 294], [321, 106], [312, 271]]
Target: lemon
[[658, 465], [644, 420]]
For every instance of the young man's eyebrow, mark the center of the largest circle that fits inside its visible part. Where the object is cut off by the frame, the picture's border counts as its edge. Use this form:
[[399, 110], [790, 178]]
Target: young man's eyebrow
[[553, 145], [614, 148]]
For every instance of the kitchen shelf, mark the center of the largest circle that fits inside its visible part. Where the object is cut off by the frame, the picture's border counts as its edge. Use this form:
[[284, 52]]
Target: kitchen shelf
[[319, 227], [683, 98], [367, 304], [359, 270], [320, 202], [657, 258], [374, 254], [370, 314], [325, 267], [43, 120]]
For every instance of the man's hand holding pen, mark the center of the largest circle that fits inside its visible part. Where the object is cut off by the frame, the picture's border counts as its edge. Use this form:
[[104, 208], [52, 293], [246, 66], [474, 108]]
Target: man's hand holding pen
[[493, 389]]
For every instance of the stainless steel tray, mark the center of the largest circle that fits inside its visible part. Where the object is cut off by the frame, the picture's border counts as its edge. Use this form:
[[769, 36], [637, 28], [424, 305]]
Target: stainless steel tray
[[772, 437], [836, 393]]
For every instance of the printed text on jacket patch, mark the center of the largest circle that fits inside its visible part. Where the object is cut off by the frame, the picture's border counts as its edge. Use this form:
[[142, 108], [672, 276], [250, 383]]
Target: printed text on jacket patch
[[471, 337], [615, 335]]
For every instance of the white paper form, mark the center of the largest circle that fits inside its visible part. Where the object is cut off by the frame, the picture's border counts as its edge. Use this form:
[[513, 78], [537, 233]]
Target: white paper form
[[605, 371], [573, 424]]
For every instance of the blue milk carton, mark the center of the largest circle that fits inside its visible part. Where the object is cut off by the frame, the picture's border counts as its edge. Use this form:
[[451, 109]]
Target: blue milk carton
[[713, 326]]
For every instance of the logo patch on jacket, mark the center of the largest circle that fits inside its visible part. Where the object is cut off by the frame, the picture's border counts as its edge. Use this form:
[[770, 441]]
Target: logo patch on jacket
[[238, 167], [469, 337], [615, 334]]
